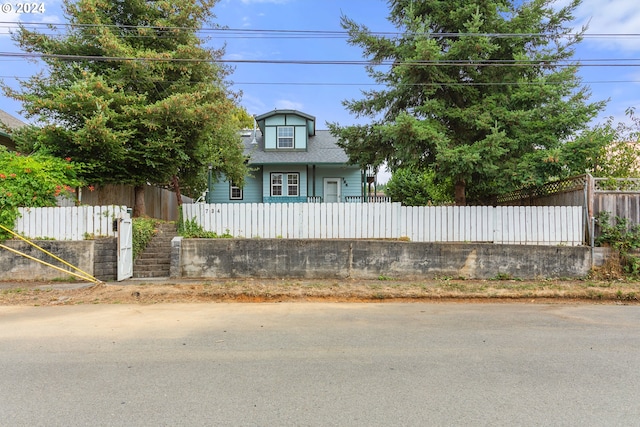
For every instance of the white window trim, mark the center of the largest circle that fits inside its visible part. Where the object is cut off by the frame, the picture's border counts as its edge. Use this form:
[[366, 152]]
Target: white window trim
[[235, 187], [284, 186], [292, 137]]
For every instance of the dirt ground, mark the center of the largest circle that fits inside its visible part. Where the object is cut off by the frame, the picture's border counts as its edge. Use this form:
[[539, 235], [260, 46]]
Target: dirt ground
[[347, 290]]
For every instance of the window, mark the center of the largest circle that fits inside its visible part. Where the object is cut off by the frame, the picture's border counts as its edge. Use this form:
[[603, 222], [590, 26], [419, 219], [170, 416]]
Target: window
[[235, 192], [285, 137], [285, 184], [292, 184]]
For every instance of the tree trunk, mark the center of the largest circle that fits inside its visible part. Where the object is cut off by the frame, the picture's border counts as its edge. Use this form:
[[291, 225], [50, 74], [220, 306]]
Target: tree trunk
[[139, 208], [460, 197], [176, 188]]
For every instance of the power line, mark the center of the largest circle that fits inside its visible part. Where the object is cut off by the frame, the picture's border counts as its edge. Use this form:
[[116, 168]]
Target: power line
[[338, 84], [620, 62], [278, 33]]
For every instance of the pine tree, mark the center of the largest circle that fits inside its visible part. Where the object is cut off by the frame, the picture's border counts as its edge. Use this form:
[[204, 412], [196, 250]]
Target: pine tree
[[484, 92], [132, 92]]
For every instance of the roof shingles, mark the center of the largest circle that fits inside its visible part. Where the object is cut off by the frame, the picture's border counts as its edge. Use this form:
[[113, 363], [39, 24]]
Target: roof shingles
[[10, 121], [321, 149]]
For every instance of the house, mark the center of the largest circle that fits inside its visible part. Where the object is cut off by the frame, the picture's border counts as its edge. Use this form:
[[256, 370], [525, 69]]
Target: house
[[292, 161], [11, 123]]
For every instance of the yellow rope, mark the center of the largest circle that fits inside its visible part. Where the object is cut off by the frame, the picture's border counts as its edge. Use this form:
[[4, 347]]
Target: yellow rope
[[85, 275]]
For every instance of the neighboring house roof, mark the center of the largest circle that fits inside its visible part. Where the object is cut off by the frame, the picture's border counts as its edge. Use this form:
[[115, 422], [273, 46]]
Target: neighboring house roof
[[12, 123], [321, 149]]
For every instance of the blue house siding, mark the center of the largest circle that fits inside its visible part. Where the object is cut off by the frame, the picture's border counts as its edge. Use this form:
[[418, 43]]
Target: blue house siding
[[350, 178], [299, 125], [301, 170], [308, 158], [251, 193]]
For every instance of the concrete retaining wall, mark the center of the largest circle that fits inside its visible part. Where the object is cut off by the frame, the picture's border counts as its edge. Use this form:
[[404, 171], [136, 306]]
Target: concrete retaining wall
[[311, 259], [370, 259], [96, 257]]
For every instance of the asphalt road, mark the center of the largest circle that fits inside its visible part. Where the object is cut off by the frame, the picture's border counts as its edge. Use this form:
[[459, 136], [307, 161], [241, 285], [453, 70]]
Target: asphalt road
[[320, 365]]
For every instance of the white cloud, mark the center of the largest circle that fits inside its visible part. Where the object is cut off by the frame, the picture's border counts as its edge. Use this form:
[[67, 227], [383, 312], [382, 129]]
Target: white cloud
[[611, 17], [11, 19], [235, 56], [10, 16], [253, 105], [285, 104]]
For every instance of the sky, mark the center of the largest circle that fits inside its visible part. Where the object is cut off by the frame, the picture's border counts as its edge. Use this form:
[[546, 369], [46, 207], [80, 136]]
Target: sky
[[318, 90]]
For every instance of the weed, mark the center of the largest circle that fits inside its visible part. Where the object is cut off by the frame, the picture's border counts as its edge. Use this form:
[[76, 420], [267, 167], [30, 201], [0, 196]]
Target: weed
[[623, 237], [595, 295], [502, 276], [630, 296], [13, 291], [462, 287], [382, 277], [143, 230], [190, 229]]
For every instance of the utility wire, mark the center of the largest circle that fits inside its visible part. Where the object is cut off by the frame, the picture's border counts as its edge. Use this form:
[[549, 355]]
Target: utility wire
[[250, 33], [241, 83], [450, 63]]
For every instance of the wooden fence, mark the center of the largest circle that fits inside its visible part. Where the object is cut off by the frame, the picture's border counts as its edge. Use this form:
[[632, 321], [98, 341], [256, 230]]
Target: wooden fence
[[68, 223], [620, 197], [526, 225], [160, 203]]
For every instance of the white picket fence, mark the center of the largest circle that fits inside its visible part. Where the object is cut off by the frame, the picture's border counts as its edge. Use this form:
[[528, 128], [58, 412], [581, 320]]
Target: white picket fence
[[68, 223], [530, 225]]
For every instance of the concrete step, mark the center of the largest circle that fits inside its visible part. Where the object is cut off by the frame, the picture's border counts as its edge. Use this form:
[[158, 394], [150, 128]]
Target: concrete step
[[150, 268], [155, 260], [151, 262], [143, 275]]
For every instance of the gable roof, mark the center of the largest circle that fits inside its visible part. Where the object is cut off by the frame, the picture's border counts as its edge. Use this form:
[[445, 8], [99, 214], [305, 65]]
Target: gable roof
[[321, 149], [311, 121]]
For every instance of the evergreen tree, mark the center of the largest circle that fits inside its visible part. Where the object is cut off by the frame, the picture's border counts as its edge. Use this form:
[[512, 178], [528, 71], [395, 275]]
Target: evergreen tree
[[482, 91], [132, 92], [417, 188]]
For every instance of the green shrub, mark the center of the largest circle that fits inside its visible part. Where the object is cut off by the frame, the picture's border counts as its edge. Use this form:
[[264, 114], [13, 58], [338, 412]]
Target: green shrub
[[32, 181], [190, 229], [143, 231], [623, 237]]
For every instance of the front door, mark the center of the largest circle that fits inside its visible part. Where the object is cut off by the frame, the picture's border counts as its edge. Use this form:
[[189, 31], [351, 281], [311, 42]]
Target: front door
[[332, 190]]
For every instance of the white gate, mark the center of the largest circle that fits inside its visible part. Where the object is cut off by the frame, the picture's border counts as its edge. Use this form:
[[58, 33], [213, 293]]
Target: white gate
[[125, 247]]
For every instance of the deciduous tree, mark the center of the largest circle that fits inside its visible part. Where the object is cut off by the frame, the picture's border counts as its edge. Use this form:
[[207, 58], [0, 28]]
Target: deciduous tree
[[607, 150]]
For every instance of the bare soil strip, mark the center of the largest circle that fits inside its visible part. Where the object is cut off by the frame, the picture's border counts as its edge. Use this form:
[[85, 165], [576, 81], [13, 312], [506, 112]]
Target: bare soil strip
[[260, 290]]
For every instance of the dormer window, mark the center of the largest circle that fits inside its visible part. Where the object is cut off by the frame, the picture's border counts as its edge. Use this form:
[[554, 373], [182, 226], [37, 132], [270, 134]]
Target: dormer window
[[285, 137]]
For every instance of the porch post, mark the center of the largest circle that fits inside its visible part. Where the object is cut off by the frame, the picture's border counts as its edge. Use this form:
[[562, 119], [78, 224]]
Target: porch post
[[209, 183]]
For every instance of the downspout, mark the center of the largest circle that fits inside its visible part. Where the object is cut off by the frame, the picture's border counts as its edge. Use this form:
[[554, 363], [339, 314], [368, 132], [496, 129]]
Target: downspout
[[314, 181]]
